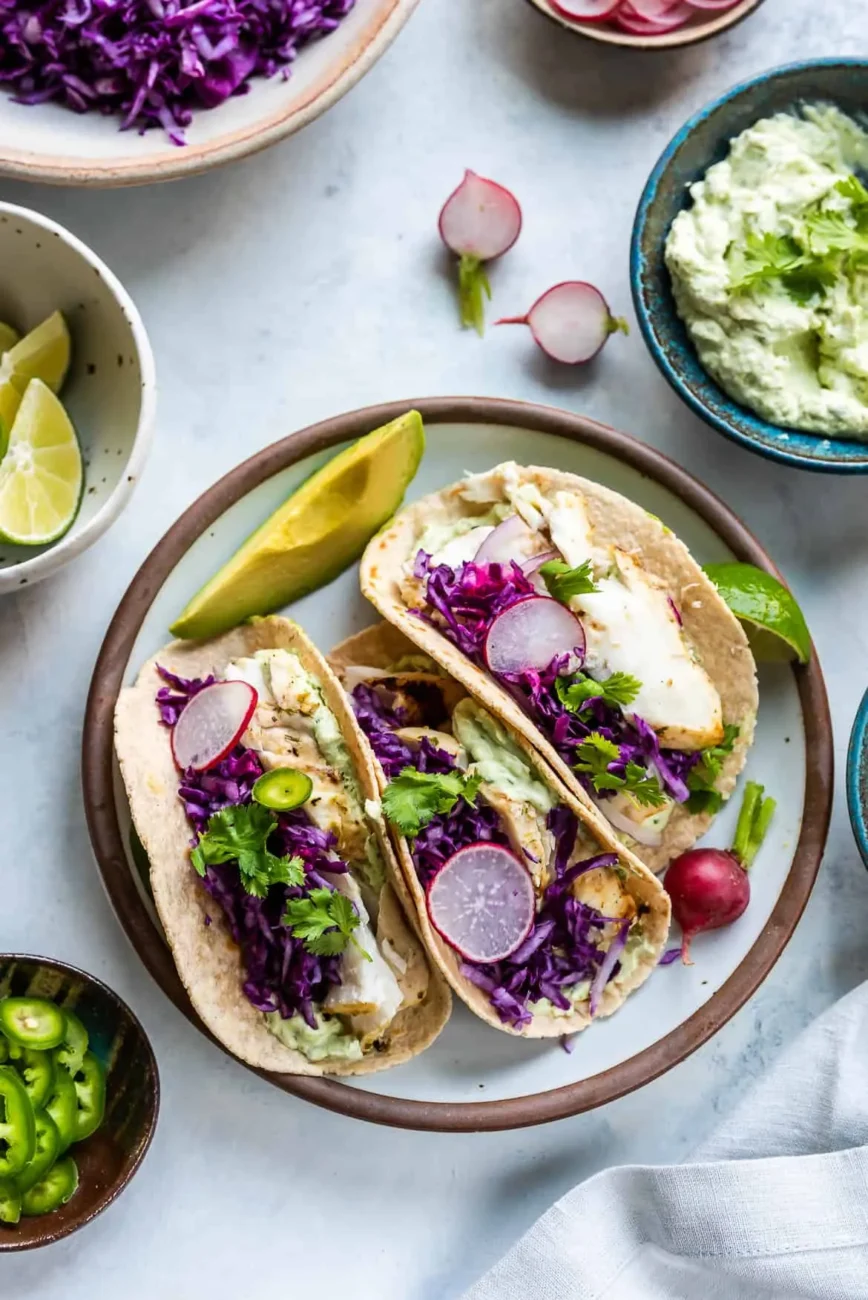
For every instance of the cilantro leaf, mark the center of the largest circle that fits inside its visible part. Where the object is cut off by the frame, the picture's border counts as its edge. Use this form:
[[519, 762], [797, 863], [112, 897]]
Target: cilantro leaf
[[853, 189], [618, 691], [761, 258], [564, 582], [702, 778], [240, 834], [642, 787], [596, 755], [323, 920], [413, 798]]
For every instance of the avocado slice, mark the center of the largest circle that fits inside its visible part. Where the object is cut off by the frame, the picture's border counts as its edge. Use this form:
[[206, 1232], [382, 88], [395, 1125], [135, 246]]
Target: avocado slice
[[317, 533]]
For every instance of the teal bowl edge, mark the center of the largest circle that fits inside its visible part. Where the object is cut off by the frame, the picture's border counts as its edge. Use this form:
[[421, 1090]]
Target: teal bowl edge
[[699, 391], [857, 778]]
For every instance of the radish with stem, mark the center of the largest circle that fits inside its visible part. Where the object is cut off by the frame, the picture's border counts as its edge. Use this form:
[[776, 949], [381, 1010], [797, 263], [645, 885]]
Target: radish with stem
[[570, 322], [709, 888], [478, 222]]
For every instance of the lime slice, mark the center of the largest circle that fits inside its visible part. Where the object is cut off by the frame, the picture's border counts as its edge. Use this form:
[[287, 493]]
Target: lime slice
[[316, 534], [8, 337], [775, 626], [41, 474], [41, 354]]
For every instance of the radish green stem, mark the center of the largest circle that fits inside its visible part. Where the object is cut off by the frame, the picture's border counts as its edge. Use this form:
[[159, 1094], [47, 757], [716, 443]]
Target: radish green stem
[[473, 288], [754, 820]]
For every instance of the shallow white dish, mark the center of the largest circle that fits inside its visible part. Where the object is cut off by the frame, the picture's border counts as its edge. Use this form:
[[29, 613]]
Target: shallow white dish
[[110, 391], [50, 143], [474, 1077]]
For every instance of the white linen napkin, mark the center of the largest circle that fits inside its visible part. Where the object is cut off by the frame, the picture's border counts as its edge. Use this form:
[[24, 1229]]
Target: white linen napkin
[[773, 1207]]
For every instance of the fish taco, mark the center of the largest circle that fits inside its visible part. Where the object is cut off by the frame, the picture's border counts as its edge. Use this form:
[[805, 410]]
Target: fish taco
[[539, 919], [588, 627], [256, 799]]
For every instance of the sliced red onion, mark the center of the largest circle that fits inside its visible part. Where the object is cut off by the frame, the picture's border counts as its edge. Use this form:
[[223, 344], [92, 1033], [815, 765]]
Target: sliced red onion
[[531, 634], [652, 839], [510, 540], [482, 903], [211, 723], [610, 961]]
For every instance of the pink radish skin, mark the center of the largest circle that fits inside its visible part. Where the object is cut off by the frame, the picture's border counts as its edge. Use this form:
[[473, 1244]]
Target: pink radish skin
[[478, 222], [211, 724], [586, 11], [630, 20], [709, 889], [570, 322]]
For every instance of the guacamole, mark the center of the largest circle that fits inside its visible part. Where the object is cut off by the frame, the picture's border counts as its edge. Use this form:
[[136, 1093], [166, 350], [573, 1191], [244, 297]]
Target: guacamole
[[769, 270]]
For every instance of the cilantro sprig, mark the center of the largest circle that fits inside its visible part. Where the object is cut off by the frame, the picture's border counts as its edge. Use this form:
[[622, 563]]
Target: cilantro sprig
[[240, 834], [324, 921], [596, 756], [564, 582], [413, 798], [702, 778], [618, 691]]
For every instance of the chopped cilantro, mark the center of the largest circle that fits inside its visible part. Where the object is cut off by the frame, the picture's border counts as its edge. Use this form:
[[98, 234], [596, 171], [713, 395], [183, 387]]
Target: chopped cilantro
[[240, 834], [619, 691], [564, 582], [703, 777], [596, 755], [323, 920], [413, 798]]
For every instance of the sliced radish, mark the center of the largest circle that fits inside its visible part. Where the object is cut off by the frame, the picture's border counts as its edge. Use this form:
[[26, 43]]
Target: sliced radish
[[480, 219], [570, 322], [482, 902], [630, 20], [713, 4], [511, 540], [654, 11], [586, 11], [531, 634], [531, 569], [211, 724]]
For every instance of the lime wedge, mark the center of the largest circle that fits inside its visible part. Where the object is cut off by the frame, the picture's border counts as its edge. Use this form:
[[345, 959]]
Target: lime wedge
[[8, 337], [41, 354], [41, 474], [316, 534], [775, 626]]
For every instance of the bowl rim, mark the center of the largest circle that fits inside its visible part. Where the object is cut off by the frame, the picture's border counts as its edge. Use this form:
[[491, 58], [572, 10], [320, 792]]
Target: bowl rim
[[645, 316], [678, 39], [65, 1230], [174, 161], [72, 544], [432, 1116], [857, 752]]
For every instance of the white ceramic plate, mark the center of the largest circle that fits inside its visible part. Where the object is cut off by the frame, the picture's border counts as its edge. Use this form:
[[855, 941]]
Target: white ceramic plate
[[51, 143], [472, 1068]]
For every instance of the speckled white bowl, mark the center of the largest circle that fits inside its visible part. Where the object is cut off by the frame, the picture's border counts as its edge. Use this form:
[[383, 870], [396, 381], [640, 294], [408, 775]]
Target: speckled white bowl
[[110, 392]]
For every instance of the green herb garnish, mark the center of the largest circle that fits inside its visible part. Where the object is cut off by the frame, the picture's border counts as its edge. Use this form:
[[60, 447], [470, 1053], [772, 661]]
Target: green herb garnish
[[703, 776], [753, 823], [413, 798], [240, 834], [619, 691], [324, 921], [564, 582], [596, 755]]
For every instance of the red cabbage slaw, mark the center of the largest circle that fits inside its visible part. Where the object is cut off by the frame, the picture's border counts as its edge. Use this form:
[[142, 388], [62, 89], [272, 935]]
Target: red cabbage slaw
[[462, 604], [281, 975], [152, 62], [562, 949]]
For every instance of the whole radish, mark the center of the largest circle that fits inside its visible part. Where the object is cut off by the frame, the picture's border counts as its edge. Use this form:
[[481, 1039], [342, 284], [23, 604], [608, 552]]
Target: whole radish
[[478, 222], [709, 888], [570, 322]]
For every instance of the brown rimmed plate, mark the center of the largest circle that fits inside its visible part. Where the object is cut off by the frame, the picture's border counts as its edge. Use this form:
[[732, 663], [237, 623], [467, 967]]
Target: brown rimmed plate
[[475, 1078]]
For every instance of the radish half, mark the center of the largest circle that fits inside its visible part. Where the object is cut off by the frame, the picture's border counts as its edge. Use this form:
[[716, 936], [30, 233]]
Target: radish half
[[570, 322], [211, 724], [478, 222], [482, 903]]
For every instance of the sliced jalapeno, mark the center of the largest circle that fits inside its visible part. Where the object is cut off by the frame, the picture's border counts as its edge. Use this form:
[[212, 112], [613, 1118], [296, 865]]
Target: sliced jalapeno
[[32, 1022], [282, 789], [62, 1106], [90, 1094], [36, 1070], [47, 1151], [71, 1052], [53, 1190], [17, 1126], [10, 1202]]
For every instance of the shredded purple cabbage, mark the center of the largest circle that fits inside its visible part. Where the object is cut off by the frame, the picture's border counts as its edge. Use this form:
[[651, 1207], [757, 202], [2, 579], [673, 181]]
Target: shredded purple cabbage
[[280, 974], [562, 948], [153, 62], [465, 602]]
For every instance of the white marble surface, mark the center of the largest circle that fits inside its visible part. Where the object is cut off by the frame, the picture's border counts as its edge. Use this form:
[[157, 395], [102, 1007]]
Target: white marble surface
[[302, 283]]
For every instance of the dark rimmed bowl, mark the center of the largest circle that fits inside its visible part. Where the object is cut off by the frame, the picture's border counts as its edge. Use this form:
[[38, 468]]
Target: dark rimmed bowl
[[857, 778], [702, 141], [107, 1161]]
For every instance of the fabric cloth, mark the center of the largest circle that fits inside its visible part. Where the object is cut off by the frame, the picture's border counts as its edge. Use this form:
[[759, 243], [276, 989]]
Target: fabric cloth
[[773, 1207]]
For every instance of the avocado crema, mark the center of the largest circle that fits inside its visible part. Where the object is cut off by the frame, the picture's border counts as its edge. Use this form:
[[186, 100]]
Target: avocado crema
[[769, 270]]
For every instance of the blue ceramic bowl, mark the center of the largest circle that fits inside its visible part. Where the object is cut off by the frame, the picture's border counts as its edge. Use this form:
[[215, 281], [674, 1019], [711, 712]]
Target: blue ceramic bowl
[[857, 778], [702, 141]]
